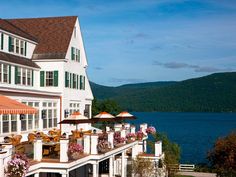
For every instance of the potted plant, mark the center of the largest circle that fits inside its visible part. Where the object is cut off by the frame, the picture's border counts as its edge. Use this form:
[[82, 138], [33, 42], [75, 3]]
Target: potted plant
[[130, 137], [18, 166], [118, 140], [103, 146], [139, 135], [75, 151], [151, 130]]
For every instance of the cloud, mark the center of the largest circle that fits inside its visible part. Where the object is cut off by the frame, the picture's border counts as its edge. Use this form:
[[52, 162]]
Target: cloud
[[98, 68], [126, 80], [197, 68], [141, 35]]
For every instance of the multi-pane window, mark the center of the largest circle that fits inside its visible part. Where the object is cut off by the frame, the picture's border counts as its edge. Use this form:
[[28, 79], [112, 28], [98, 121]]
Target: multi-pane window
[[5, 123], [5, 73], [50, 119], [49, 78], [13, 123], [11, 44], [71, 80], [82, 82], [36, 116], [23, 76], [22, 47], [16, 46], [9, 123], [75, 54], [74, 107], [29, 77]]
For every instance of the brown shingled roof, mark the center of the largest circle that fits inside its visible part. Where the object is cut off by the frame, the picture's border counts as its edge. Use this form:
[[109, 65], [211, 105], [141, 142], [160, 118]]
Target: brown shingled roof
[[9, 27], [17, 60], [53, 34]]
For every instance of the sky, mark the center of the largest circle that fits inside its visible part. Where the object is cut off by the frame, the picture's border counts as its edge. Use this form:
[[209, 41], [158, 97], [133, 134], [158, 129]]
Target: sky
[[133, 41]]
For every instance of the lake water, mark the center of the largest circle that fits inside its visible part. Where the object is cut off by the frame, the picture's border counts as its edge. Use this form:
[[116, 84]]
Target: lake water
[[194, 132]]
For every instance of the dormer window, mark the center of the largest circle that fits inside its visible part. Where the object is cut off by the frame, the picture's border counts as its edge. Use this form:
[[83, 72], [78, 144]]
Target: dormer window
[[22, 46], [11, 44], [17, 46], [1, 41]]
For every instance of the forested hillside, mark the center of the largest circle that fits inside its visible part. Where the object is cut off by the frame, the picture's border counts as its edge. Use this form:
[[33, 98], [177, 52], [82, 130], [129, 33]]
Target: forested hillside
[[213, 93]]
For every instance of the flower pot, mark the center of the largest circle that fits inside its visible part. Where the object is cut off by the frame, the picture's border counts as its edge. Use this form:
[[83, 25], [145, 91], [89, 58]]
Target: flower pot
[[75, 155]]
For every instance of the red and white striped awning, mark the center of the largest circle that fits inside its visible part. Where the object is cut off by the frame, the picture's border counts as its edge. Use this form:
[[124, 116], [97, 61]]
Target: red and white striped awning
[[10, 106]]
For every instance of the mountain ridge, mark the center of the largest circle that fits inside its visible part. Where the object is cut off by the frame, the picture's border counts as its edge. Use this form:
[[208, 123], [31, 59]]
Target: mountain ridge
[[211, 93]]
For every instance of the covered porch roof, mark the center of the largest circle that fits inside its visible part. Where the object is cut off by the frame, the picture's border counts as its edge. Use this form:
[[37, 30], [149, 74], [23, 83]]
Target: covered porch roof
[[10, 106]]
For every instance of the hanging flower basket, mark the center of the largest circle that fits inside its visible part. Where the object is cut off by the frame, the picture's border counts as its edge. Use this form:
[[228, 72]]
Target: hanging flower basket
[[75, 155], [151, 130], [75, 151], [18, 166]]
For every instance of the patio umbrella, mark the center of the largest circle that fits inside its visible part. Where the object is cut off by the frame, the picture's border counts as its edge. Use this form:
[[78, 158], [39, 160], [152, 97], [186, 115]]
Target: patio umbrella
[[125, 115], [76, 118], [103, 116]]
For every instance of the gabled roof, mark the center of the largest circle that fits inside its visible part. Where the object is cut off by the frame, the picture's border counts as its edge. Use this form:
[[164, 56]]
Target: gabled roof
[[17, 60], [53, 34], [9, 27]]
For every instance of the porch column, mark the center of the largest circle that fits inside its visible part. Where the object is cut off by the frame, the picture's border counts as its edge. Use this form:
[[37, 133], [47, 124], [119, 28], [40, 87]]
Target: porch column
[[2, 156], [64, 174], [18, 124], [111, 138], [86, 144], [94, 143], [111, 166], [63, 150], [95, 169], [8, 148], [38, 149], [132, 129], [134, 151], [123, 133], [123, 164], [36, 175]]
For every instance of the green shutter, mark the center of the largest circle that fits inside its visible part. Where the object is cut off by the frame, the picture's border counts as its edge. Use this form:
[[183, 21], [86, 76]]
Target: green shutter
[[71, 81], [9, 43], [32, 80], [2, 39], [66, 81], [77, 81], [72, 53], [9, 74], [55, 79], [16, 75], [80, 85], [42, 78], [25, 48]]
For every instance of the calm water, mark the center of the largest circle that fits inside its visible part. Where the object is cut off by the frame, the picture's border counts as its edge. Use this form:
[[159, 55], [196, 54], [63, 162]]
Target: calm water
[[194, 132]]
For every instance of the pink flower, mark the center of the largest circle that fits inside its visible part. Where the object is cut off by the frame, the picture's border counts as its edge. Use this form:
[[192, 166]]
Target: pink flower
[[151, 130], [73, 147]]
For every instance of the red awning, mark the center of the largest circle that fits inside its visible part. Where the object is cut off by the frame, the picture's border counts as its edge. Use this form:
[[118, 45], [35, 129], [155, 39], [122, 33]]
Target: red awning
[[10, 106]]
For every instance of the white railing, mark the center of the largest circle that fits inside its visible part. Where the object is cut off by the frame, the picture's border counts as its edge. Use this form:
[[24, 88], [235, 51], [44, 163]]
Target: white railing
[[186, 167]]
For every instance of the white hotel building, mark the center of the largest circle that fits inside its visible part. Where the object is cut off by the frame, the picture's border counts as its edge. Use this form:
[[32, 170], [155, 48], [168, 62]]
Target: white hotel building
[[43, 65]]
